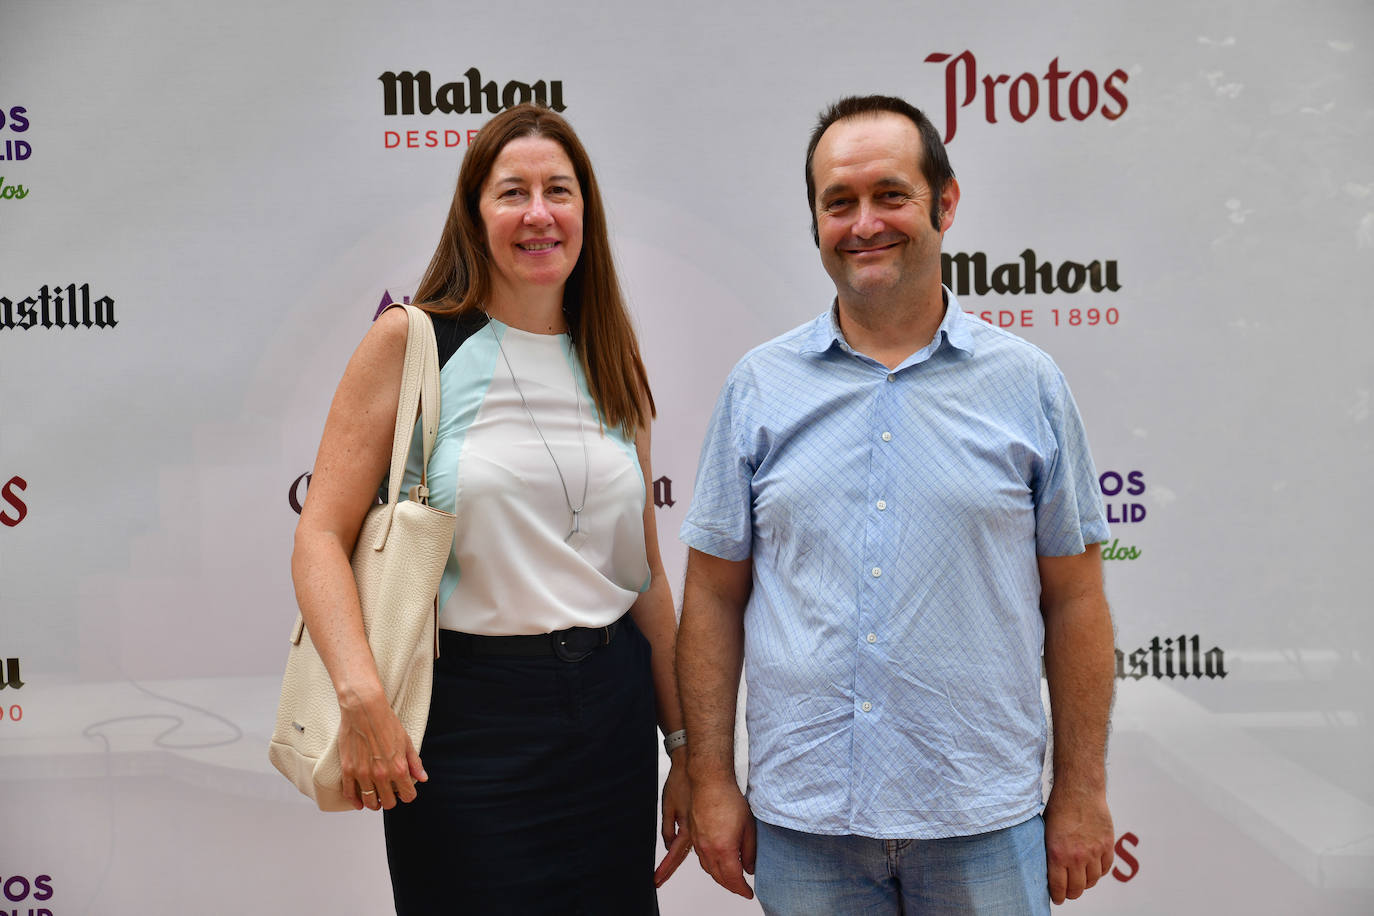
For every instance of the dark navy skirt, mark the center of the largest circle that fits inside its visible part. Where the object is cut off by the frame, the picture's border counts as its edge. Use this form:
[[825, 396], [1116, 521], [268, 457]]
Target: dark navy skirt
[[543, 785]]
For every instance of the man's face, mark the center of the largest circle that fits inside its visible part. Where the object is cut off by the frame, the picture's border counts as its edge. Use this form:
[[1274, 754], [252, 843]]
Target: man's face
[[873, 209]]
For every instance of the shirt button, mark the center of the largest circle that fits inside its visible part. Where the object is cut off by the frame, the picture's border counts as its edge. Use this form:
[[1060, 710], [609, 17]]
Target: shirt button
[[891, 377], [866, 706], [872, 637], [882, 504], [877, 571], [887, 437]]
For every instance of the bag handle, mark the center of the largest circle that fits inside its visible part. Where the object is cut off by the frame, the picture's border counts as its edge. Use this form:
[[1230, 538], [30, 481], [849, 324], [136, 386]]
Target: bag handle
[[419, 383], [419, 390]]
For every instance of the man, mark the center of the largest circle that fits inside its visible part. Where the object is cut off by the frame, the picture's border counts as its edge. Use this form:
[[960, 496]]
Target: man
[[895, 514]]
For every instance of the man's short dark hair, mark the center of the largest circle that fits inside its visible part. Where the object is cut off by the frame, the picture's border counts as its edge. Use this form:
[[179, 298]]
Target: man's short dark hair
[[934, 163]]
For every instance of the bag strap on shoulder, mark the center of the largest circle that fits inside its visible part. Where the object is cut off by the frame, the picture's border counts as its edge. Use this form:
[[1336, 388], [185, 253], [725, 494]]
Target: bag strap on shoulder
[[419, 391]]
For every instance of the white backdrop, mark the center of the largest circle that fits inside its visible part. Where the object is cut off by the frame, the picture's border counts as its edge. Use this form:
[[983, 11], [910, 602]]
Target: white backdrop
[[224, 177]]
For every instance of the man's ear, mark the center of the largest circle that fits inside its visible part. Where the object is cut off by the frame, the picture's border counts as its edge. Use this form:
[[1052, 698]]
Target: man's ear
[[949, 202]]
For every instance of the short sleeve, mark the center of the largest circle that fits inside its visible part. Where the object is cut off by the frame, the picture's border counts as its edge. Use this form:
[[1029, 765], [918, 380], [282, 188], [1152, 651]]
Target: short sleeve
[[1068, 500], [720, 520]]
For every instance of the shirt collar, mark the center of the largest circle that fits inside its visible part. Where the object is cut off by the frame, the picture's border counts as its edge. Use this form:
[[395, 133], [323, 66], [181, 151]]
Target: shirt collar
[[825, 333], [955, 325]]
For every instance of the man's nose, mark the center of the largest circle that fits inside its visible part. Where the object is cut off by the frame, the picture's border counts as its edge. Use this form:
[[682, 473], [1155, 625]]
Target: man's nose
[[869, 223]]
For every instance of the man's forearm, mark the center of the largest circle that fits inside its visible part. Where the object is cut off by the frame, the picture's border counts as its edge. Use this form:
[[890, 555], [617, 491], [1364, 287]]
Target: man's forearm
[[710, 655], [1080, 672], [1080, 669], [1079, 666]]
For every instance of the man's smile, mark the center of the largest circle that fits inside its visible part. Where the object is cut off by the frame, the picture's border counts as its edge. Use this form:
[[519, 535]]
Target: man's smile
[[869, 250]]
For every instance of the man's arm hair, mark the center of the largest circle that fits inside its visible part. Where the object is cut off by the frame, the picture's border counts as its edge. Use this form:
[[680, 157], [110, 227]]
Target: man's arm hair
[[710, 655], [1080, 670]]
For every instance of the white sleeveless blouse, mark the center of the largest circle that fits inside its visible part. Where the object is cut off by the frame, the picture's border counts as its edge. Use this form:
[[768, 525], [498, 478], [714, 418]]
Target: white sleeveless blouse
[[511, 571]]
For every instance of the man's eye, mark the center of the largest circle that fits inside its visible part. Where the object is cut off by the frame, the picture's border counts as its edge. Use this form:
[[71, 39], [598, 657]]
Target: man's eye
[[838, 203]]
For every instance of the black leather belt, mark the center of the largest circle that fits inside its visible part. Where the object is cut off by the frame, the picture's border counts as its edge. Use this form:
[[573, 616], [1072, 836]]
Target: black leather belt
[[571, 645]]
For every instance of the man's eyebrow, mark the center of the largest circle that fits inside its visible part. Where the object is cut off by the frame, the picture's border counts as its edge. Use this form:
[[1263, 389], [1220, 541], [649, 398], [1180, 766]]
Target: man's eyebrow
[[883, 183]]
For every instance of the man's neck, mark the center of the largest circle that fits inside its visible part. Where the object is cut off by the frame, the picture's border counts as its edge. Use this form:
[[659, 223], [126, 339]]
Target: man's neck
[[891, 330]]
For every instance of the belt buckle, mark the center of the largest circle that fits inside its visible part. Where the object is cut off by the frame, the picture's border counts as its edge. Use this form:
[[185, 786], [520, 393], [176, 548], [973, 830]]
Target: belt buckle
[[575, 644]]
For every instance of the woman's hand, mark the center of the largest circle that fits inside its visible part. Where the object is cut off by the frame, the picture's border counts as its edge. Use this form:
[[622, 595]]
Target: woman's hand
[[380, 764], [677, 802]]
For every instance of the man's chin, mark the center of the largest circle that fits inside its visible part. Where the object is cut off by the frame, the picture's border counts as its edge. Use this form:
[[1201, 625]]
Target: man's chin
[[872, 282]]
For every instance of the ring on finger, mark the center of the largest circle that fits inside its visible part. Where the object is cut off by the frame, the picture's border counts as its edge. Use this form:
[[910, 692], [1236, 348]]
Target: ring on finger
[[369, 792]]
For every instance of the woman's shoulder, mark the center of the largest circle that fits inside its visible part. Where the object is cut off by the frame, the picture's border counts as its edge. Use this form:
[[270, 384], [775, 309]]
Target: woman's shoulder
[[386, 338], [452, 331]]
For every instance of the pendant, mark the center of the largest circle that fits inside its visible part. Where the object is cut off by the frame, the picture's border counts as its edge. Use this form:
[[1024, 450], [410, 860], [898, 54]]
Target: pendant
[[576, 537]]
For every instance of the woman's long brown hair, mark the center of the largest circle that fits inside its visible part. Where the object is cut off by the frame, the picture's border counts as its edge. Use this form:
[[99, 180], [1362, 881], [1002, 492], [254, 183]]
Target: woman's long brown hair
[[458, 278]]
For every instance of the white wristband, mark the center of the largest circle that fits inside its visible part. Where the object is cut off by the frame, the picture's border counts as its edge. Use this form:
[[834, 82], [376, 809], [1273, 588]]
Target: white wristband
[[674, 740]]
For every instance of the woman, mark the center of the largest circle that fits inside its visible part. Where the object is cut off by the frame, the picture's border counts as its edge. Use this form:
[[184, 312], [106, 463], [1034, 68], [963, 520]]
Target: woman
[[540, 766]]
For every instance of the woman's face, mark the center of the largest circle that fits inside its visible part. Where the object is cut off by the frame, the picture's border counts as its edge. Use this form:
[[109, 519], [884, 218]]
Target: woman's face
[[531, 208]]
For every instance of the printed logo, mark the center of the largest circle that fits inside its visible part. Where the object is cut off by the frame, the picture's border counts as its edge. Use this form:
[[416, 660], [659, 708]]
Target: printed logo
[[1117, 490], [19, 889], [13, 509], [67, 306], [663, 493], [1114, 484], [9, 674], [1170, 658], [296, 494], [10, 679], [968, 274], [13, 120], [413, 93], [1125, 844], [1066, 94], [295, 498]]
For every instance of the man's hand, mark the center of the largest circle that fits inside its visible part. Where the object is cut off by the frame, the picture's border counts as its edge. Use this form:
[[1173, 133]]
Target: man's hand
[[723, 832], [1079, 841]]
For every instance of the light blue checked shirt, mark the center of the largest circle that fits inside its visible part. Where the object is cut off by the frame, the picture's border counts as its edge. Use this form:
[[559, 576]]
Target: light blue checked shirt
[[893, 637]]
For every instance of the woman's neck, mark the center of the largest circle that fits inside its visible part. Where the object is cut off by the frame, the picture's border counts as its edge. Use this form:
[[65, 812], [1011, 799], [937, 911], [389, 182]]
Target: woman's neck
[[538, 311]]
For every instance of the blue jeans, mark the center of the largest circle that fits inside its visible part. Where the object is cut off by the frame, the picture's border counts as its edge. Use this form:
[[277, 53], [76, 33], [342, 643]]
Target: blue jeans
[[805, 874]]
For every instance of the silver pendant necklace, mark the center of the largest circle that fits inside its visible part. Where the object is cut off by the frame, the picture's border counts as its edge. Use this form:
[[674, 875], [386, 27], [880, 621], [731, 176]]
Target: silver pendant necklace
[[576, 537]]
